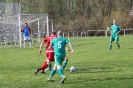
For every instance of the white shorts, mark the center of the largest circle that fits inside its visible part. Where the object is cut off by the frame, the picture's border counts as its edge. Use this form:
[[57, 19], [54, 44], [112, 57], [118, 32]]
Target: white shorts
[[26, 37]]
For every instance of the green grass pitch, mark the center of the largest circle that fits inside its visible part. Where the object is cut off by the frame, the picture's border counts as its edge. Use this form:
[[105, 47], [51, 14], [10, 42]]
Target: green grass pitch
[[97, 66]]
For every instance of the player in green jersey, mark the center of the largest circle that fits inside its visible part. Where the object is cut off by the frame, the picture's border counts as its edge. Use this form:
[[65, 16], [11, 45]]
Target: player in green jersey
[[59, 45], [115, 29]]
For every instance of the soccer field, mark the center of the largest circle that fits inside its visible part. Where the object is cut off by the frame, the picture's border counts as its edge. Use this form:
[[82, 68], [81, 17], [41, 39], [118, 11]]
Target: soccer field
[[97, 66]]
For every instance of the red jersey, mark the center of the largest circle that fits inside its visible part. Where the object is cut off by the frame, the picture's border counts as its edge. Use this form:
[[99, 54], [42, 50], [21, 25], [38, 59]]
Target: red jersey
[[48, 40]]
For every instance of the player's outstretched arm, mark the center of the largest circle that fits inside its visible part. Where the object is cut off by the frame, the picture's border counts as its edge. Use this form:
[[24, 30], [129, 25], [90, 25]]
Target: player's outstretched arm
[[119, 29], [41, 45], [118, 32], [71, 46], [30, 31]]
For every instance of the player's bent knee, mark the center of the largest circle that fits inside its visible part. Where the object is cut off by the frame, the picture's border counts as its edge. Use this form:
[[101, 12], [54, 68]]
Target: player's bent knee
[[48, 62], [55, 67], [59, 66], [66, 59]]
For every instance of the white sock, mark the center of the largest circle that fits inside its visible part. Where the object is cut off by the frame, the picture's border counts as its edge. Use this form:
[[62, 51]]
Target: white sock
[[24, 44], [30, 44]]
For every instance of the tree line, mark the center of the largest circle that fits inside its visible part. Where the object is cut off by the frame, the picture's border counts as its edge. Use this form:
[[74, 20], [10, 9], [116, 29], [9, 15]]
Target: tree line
[[80, 14]]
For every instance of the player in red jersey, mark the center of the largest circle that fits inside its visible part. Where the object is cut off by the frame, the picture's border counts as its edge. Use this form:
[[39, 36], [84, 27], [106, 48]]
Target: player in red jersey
[[49, 52]]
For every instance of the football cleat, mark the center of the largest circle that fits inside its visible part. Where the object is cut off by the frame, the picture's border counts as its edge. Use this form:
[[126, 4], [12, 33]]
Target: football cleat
[[48, 78], [43, 72], [63, 79], [37, 71], [47, 69]]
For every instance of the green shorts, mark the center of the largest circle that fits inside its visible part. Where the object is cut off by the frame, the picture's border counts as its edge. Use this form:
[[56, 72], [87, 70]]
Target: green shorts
[[114, 38], [59, 59]]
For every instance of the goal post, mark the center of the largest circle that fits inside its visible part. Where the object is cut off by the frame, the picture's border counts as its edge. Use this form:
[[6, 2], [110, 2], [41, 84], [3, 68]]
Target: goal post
[[37, 19]]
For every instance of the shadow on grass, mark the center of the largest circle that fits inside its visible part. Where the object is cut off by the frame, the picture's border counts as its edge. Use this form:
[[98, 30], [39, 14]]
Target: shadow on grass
[[130, 48], [98, 70], [51, 80]]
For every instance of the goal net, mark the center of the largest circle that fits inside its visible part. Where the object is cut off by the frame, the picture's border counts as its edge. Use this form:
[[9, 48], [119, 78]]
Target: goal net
[[12, 21], [8, 24]]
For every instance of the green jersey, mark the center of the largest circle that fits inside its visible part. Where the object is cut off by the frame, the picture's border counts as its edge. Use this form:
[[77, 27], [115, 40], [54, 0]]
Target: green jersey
[[115, 29], [59, 45]]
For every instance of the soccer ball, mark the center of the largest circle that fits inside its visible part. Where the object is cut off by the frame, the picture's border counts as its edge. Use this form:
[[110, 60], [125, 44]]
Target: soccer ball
[[72, 69]]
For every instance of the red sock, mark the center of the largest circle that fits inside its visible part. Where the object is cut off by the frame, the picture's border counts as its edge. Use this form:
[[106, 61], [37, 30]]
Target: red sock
[[44, 66]]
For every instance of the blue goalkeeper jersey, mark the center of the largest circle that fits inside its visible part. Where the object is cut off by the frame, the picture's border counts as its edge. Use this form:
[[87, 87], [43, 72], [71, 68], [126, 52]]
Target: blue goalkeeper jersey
[[26, 31]]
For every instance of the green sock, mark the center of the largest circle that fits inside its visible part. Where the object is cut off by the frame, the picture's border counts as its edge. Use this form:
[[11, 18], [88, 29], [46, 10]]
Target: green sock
[[52, 73], [64, 65], [60, 71], [49, 66], [118, 45], [110, 47]]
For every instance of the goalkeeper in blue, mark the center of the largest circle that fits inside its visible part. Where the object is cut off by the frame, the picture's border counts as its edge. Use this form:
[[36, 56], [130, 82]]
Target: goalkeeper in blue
[[115, 30]]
